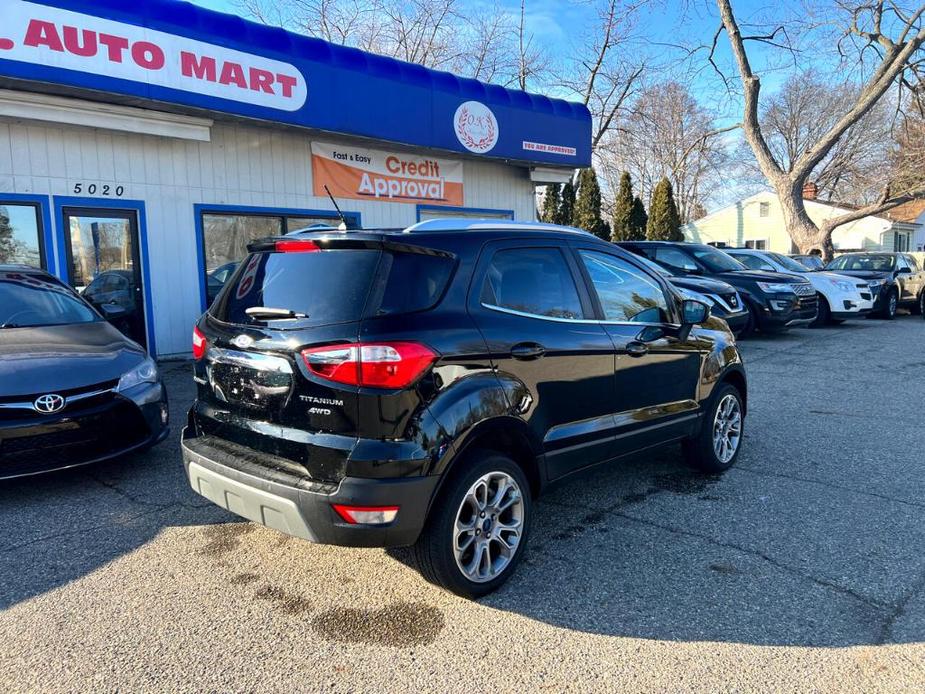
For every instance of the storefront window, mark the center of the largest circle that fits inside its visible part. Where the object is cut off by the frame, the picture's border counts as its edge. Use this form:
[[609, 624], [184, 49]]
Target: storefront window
[[435, 212], [20, 234], [226, 236]]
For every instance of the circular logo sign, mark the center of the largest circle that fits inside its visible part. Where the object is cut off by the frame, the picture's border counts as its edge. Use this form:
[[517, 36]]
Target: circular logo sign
[[48, 404], [476, 127]]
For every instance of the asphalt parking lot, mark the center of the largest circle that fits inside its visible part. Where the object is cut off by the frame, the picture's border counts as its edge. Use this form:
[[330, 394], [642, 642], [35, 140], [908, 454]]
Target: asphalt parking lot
[[801, 569]]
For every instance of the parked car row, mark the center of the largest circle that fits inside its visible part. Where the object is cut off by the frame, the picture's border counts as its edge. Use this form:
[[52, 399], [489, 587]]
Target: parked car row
[[423, 386], [778, 292]]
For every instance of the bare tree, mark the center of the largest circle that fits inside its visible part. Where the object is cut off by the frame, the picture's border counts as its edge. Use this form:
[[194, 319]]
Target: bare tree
[[604, 72], [885, 41], [665, 133], [805, 108], [491, 45]]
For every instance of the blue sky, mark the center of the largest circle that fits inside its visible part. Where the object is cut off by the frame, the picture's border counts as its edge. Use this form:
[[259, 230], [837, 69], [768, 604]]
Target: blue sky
[[558, 25]]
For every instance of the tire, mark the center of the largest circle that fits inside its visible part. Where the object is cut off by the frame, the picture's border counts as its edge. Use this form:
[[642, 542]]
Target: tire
[[435, 552], [919, 307], [701, 452], [824, 314], [888, 312]]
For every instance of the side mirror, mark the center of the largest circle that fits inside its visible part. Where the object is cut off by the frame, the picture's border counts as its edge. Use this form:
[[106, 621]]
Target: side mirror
[[694, 312], [904, 270], [113, 312]]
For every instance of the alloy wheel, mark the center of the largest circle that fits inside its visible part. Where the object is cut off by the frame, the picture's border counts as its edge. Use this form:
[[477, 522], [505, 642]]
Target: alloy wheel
[[488, 527], [727, 428]]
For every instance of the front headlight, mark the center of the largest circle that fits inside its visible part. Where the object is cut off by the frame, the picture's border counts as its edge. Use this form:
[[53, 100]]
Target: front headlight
[[775, 288], [843, 285], [145, 372]]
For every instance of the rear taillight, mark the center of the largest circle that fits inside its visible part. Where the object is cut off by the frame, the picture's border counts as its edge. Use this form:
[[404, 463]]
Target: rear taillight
[[373, 365], [366, 515], [199, 344], [297, 246]]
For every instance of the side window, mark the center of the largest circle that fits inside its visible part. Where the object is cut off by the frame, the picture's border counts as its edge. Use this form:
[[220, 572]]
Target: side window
[[626, 293], [532, 280], [675, 258]]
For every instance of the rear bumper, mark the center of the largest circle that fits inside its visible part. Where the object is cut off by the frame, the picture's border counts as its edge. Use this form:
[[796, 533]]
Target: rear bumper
[[268, 491]]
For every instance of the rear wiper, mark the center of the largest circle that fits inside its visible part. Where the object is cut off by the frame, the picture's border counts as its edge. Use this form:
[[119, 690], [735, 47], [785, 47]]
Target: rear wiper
[[266, 312]]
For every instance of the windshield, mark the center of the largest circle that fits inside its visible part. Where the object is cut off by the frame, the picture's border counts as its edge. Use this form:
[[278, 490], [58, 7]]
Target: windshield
[[32, 299], [875, 263], [789, 264], [716, 261]]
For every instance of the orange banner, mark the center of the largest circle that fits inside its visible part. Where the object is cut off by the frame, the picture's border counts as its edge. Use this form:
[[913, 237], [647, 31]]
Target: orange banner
[[363, 174]]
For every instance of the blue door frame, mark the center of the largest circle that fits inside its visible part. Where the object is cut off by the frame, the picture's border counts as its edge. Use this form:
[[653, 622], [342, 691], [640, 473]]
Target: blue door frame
[[136, 206], [46, 240]]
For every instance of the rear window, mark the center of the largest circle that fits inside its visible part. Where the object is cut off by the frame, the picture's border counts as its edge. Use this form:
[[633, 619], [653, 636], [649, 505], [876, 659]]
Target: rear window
[[333, 286], [31, 299]]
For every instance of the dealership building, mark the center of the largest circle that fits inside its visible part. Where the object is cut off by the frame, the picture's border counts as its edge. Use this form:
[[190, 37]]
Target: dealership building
[[144, 145]]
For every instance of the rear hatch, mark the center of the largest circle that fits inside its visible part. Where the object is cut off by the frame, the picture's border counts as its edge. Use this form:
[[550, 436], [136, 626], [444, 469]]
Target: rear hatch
[[279, 372]]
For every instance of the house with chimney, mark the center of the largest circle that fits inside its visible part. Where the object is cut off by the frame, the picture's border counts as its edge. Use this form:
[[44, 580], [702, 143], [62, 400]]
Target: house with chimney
[[758, 222]]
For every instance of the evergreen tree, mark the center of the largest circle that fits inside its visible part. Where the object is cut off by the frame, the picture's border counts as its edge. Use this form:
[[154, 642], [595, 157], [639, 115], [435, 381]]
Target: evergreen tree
[[567, 204], [622, 229], [551, 202], [664, 222], [587, 213], [638, 221]]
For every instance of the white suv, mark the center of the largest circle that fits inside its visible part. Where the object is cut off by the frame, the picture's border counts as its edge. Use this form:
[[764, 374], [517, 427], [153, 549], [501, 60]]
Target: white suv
[[840, 297]]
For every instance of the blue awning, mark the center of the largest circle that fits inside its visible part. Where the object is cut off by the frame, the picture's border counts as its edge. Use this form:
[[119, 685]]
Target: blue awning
[[177, 53]]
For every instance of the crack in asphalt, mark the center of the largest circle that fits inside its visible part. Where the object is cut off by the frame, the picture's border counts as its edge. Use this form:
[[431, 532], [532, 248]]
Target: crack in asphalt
[[74, 531], [829, 485], [614, 511], [127, 495], [899, 610], [823, 582]]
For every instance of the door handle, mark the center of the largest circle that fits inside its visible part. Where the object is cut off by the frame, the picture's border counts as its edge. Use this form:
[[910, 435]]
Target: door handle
[[527, 350], [637, 349]]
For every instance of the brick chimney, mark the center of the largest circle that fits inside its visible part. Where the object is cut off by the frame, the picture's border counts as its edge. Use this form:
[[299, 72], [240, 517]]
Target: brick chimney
[[810, 190]]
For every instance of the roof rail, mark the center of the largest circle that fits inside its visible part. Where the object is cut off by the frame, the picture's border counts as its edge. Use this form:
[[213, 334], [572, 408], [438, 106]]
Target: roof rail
[[488, 224]]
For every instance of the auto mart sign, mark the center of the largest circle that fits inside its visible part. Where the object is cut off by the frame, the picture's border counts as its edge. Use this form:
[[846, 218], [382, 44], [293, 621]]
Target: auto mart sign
[[58, 38], [364, 174], [170, 54]]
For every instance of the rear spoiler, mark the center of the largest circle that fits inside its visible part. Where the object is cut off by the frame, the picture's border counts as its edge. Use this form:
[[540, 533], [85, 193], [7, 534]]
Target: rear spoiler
[[283, 244]]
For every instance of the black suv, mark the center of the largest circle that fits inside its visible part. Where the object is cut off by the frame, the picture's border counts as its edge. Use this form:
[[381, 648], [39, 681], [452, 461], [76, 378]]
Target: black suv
[[775, 301], [421, 387]]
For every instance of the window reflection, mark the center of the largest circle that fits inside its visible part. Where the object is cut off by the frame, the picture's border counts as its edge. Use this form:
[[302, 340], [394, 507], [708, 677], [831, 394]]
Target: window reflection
[[20, 234]]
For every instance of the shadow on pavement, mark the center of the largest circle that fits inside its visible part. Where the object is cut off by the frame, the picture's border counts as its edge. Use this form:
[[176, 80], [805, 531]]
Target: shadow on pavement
[[791, 548]]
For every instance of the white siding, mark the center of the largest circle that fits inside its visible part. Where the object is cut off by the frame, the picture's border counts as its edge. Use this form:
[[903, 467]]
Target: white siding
[[741, 222], [243, 165]]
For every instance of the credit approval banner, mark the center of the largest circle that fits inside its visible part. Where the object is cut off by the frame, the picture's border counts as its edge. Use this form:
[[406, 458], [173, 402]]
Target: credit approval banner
[[370, 174]]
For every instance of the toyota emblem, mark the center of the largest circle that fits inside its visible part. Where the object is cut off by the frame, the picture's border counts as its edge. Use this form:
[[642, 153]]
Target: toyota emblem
[[49, 404]]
